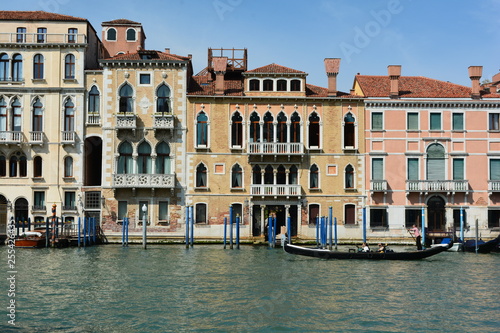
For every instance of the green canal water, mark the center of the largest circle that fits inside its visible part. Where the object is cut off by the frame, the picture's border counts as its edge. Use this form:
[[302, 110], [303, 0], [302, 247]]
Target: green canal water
[[253, 289]]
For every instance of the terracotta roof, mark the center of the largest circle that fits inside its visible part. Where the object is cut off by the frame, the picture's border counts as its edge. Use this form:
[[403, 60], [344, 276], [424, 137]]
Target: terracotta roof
[[275, 69], [412, 87], [121, 21], [36, 16], [148, 55]]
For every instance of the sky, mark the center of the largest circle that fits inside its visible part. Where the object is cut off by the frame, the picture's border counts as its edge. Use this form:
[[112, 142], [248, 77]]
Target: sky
[[435, 39]]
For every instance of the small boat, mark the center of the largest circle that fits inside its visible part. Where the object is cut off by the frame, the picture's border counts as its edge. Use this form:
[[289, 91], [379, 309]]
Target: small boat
[[388, 255], [31, 239], [457, 246], [482, 246]]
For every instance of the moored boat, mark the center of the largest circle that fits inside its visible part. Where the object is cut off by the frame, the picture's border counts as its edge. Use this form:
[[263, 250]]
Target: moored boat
[[31, 239], [482, 246], [387, 255]]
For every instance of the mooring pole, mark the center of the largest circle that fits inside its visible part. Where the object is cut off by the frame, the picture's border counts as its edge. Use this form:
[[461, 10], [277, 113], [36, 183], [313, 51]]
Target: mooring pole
[[54, 207], [144, 226], [274, 230], [423, 228], [477, 233], [317, 231], [79, 228], [270, 230], [237, 231], [47, 230], [330, 223], [364, 224], [462, 224], [231, 227], [225, 231], [187, 227], [289, 230], [335, 220], [191, 229], [95, 230], [126, 231]]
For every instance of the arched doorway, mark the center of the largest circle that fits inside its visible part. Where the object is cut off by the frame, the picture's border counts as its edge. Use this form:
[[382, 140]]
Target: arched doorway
[[93, 161], [3, 215], [436, 218], [21, 210]]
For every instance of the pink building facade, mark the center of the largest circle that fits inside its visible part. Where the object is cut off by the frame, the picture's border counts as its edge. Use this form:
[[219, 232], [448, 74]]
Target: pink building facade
[[432, 155]]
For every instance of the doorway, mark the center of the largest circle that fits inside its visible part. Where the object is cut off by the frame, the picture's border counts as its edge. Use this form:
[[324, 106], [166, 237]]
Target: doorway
[[436, 217], [259, 223], [93, 161]]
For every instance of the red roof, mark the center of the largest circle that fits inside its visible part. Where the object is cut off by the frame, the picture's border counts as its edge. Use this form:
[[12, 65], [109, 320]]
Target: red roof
[[412, 87], [148, 55], [36, 16], [120, 22], [275, 69]]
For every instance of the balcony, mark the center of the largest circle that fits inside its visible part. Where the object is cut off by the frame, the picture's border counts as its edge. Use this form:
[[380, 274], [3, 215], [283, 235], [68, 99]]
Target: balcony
[[93, 119], [275, 148], [434, 186], [163, 121], [144, 181], [36, 138], [11, 137], [493, 186], [40, 38], [126, 121], [39, 208], [378, 185], [68, 137], [276, 190]]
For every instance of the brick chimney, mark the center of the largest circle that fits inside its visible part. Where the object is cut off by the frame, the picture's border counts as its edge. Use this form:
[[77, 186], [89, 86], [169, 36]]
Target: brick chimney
[[394, 74], [475, 73], [220, 65], [332, 66]]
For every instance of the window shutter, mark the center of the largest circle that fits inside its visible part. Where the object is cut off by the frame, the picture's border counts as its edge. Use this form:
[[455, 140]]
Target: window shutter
[[495, 169], [377, 169], [435, 121], [377, 121], [413, 121], [413, 169], [458, 121], [458, 169]]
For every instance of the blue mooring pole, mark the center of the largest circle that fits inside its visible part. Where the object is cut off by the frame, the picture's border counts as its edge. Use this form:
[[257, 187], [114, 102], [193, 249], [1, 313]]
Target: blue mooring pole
[[364, 224], [79, 229], [95, 230], [289, 230], [335, 220], [462, 224], [231, 227], [237, 231], [423, 228], [187, 227], [330, 222], [275, 220], [225, 231], [191, 216], [126, 231], [47, 234], [270, 230], [317, 231]]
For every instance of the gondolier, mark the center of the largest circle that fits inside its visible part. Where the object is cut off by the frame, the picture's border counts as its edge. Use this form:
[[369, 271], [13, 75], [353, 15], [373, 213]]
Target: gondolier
[[418, 237]]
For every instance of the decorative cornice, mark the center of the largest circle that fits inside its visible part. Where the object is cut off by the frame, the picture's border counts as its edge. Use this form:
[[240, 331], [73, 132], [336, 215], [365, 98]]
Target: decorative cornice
[[433, 104]]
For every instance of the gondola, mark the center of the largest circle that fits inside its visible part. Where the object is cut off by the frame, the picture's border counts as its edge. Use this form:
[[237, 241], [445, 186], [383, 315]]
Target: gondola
[[482, 246], [388, 255]]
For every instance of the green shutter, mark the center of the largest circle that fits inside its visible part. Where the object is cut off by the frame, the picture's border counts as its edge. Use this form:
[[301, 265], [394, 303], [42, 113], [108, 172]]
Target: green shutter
[[435, 121], [413, 169], [458, 122], [377, 169], [412, 121], [377, 121], [495, 169], [458, 169]]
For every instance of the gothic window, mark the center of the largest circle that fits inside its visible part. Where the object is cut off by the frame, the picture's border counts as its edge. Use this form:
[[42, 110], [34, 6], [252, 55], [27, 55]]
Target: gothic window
[[314, 177], [349, 177], [3, 115], [236, 176], [37, 116], [163, 99], [16, 115], [125, 158], [236, 130], [69, 116], [349, 134], [256, 175], [314, 130], [268, 127], [202, 129], [163, 158], [295, 128], [126, 98], [144, 158], [254, 127], [201, 175], [282, 128]]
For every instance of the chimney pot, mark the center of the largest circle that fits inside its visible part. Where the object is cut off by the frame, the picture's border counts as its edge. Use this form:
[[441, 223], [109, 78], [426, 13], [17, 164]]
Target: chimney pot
[[167, 50], [332, 66], [394, 74], [220, 65], [475, 73]]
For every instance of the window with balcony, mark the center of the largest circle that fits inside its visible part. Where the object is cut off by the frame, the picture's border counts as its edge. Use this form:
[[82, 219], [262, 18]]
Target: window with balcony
[[68, 167], [21, 35], [254, 127], [37, 167], [314, 131], [436, 162], [378, 218], [69, 67], [494, 121], [94, 106], [38, 64], [72, 34], [201, 213], [236, 177], [282, 128], [144, 158], [111, 34], [3, 115], [163, 158], [69, 116], [39, 200], [377, 121], [16, 115], [17, 68], [457, 122], [202, 129], [4, 67], [268, 130], [69, 200], [413, 173], [125, 94], [435, 121], [495, 169], [293, 175], [37, 125], [256, 175], [314, 177], [295, 128], [3, 166], [377, 169], [41, 34], [125, 161], [131, 35], [412, 121], [350, 214], [163, 99], [236, 130], [349, 177], [313, 213], [349, 132], [201, 176]]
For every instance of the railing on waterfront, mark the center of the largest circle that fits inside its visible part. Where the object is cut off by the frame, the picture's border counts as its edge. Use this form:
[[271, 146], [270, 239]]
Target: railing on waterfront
[[42, 38], [277, 148], [437, 185], [144, 180], [276, 190], [378, 185]]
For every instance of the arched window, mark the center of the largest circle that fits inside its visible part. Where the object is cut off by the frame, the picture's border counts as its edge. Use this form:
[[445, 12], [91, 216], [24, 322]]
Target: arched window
[[269, 175], [201, 175], [295, 128], [163, 158], [69, 66], [38, 64], [436, 162], [349, 176], [236, 176], [37, 166], [126, 98], [144, 158], [3, 166], [293, 177], [281, 85], [254, 85], [163, 99], [349, 121], [17, 68], [13, 166], [256, 175], [295, 85], [3, 115], [202, 130], [236, 130], [314, 130], [125, 158], [69, 116], [281, 175], [268, 127], [16, 115], [254, 127], [94, 100], [18, 165], [282, 128], [37, 116], [268, 85], [72, 32], [314, 177], [111, 34], [131, 34], [4, 67], [23, 166], [68, 167]]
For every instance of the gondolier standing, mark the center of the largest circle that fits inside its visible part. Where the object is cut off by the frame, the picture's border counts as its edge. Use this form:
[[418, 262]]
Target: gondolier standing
[[418, 237]]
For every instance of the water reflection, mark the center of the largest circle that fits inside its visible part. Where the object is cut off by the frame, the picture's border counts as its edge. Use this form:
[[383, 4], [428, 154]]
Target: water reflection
[[173, 289]]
